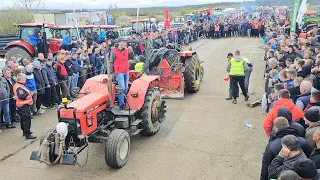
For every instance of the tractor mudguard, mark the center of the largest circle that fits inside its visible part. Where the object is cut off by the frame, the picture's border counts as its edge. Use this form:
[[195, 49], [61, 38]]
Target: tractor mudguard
[[22, 44], [138, 90]]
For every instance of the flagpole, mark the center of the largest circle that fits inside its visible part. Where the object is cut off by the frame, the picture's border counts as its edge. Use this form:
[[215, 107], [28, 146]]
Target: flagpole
[[137, 23]]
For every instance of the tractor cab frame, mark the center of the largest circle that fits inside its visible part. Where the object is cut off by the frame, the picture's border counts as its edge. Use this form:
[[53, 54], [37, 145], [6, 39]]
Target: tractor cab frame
[[23, 49], [139, 26]]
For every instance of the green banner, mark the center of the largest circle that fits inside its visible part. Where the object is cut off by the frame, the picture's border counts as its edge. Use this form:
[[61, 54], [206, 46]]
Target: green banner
[[294, 15]]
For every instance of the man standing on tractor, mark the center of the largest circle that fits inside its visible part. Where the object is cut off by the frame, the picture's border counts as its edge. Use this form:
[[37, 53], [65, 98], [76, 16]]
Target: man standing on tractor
[[236, 69], [119, 66], [23, 101]]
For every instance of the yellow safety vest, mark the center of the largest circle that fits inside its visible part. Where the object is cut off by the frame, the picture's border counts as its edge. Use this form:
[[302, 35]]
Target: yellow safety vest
[[237, 68], [139, 68]]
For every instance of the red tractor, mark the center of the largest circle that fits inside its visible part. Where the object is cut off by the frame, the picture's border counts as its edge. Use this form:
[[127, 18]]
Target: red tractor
[[96, 117], [23, 49]]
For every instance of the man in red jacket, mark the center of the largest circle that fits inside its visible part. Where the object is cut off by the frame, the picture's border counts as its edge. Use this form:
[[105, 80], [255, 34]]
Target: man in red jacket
[[284, 101], [119, 66]]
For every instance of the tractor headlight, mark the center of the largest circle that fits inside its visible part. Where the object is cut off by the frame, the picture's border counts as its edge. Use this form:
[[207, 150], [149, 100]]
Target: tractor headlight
[[62, 129]]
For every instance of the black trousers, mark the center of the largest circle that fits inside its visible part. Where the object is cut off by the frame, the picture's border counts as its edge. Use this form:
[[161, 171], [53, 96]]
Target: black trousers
[[235, 80], [50, 96], [25, 119], [39, 100], [13, 110], [58, 92]]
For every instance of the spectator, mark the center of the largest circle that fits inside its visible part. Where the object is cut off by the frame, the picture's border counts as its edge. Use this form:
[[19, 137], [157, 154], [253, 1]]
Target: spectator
[[68, 66], [295, 91], [39, 84], [315, 155], [306, 169], [281, 128], [283, 101], [314, 101], [24, 101], [31, 85], [289, 154], [317, 74], [75, 66], [304, 98], [62, 75], [289, 175], [311, 119], [41, 58], [4, 101], [12, 104], [66, 42], [50, 82]]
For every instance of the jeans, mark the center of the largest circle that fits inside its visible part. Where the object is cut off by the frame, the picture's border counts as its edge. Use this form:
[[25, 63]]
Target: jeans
[[264, 103], [123, 81], [249, 32], [247, 78], [75, 79], [4, 105]]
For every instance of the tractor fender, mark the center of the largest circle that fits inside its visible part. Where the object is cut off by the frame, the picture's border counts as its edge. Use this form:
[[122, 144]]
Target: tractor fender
[[187, 53], [138, 90], [22, 44]]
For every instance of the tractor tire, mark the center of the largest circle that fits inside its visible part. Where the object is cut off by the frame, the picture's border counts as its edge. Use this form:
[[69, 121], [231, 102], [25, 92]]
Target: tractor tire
[[48, 131], [201, 73], [22, 53], [149, 125], [117, 148], [192, 74]]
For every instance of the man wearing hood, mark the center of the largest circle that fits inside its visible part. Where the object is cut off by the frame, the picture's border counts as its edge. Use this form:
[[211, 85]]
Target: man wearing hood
[[306, 169], [284, 101], [286, 113], [304, 98], [281, 128], [237, 67]]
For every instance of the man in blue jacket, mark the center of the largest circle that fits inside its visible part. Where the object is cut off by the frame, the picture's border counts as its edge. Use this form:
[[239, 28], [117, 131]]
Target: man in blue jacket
[[66, 43], [35, 41]]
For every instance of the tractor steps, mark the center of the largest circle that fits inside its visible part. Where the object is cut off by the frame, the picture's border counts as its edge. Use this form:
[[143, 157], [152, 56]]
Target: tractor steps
[[123, 112]]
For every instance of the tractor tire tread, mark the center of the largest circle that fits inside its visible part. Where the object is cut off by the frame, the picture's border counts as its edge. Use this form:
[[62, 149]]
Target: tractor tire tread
[[190, 75], [49, 130], [18, 50], [148, 130], [111, 149]]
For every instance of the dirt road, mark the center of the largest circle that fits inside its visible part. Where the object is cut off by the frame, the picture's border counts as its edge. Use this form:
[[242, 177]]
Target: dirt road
[[203, 138]]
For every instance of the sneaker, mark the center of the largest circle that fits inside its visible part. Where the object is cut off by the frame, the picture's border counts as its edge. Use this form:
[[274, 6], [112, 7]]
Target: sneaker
[[234, 101], [30, 137], [229, 98], [10, 126], [26, 135], [43, 107], [36, 113], [246, 98]]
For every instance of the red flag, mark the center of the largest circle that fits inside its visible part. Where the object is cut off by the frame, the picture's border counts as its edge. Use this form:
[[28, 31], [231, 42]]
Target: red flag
[[211, 11], [166, 18]]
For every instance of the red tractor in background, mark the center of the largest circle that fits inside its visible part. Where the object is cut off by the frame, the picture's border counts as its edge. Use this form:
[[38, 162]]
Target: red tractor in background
[[96, 117], [23, 49]]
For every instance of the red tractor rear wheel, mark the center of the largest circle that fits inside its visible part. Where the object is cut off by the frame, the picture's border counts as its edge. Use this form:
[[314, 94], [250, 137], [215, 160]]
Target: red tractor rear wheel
[[149, 113], [192, 74], [19, 53]]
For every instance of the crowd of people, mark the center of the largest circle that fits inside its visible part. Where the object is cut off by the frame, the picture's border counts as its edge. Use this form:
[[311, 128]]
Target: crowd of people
[[292, 103]]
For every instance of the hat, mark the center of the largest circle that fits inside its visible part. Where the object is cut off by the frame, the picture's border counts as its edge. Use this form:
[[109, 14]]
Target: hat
[[35, 64], [273, 46], [305, 168], [73, 50], [28, 67], [122, 39], [312, 115], [229, 54]]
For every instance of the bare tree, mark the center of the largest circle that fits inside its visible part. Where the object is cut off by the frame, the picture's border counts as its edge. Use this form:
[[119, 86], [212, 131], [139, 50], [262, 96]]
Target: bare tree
[[30, 4]]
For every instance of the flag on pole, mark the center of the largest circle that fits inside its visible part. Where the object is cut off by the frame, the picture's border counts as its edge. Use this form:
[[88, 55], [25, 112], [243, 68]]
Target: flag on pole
[[294, 15], [302, 10], [211, 14]]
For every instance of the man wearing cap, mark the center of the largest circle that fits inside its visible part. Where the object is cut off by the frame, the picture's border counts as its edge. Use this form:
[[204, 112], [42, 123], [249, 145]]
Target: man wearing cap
[[119, 66], [230, 56], [311, 118], [23, 102]]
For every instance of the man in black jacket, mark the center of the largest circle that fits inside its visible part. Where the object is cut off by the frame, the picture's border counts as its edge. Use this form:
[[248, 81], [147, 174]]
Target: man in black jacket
[[40, 84], [281, 127], [13, 112], [315, 155]]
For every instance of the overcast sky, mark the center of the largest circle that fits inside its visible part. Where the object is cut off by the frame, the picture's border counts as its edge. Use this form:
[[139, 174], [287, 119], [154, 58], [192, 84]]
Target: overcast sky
[[95, 4]]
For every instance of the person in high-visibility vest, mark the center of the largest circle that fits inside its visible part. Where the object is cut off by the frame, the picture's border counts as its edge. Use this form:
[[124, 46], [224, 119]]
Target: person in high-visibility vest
[[230, 56], [247, 74], [236, 69], [23, 102], [139, 68]]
